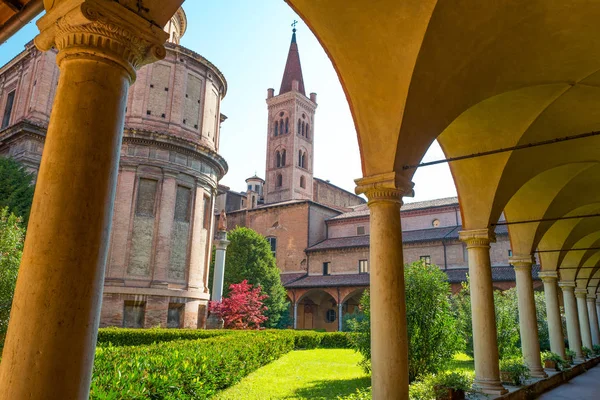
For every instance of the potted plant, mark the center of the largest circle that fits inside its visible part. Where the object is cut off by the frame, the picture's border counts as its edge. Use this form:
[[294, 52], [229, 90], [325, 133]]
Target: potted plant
[[513, 371], [452, 385], [554, 361], [570, 355], [586, 352]]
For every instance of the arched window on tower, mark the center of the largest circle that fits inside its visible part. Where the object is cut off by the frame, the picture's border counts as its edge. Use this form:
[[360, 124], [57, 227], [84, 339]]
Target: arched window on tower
[[281, 126], [279, 181], [283, 158], [303, 160], [276, 128], [299, 126], [299, 158], [287, 124], [303, 129], [277, 159], [307, 130], [303, 182]]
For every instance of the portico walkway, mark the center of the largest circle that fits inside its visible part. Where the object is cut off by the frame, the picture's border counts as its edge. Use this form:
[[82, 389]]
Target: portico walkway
[[583, 387]]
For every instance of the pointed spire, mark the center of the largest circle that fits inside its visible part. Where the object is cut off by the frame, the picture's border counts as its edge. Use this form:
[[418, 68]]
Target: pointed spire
[[293, 70]]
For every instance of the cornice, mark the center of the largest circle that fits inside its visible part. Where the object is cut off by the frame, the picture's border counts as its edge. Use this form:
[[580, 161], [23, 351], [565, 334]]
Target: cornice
[[200, 59]]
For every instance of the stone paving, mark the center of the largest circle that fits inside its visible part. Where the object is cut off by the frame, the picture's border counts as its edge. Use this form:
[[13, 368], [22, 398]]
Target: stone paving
[[583, 387]]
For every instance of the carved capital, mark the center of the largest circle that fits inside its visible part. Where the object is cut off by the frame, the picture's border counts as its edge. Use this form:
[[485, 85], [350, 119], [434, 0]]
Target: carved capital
[[567, 286], [591, 298], [581, 293], [101, 30], [389, 187], [548, 276], [521, 262], [477, 237]]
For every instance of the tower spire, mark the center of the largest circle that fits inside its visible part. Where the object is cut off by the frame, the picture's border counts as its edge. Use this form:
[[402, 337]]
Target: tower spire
[[293, 70]]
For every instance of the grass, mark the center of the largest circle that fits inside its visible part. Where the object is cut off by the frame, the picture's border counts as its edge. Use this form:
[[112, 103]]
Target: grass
[[461, 363], [303, 374]]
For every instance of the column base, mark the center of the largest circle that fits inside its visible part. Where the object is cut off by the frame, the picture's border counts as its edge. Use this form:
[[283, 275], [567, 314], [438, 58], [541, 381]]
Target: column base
[[489, 387], [538, 373], [214, 322]]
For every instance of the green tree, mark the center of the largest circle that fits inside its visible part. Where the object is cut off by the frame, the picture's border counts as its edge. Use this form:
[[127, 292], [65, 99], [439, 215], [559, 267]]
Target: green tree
[[432, 329], [249, 257], [16, 188], [12, 235]]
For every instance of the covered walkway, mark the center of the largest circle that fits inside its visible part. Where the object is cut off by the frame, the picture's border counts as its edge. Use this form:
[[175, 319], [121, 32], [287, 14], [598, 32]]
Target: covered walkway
[[582, 387]]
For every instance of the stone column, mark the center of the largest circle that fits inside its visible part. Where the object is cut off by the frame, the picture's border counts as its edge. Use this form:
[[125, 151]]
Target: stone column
[[573, 332], [49, 349], [166, 213], [584, 321], [598, 308], [340, 306], [295, 315], [530, 344], [389, 339], [593, 317], [485, 339], [221, 244], [557, 341]]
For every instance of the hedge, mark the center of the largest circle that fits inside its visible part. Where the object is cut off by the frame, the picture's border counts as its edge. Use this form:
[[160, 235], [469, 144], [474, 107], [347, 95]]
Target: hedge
[[184, 369], [137, 337]]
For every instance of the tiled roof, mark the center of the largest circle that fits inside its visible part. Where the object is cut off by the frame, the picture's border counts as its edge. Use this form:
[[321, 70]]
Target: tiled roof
[[421, 235], [330, 280], [363, 209], [289, 278], [504, 273]]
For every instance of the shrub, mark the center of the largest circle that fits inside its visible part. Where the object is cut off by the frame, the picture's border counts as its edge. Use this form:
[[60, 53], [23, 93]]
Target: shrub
[[361, 394], [243, 307], [570, 354], [189, 369], [361, 332], [561, 364], [596, 349], [586, 352], [453, 380], [515, 369], [137, 337]]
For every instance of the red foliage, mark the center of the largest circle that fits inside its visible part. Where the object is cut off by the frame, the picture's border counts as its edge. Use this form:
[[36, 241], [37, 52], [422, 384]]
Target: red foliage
[[243, 309]]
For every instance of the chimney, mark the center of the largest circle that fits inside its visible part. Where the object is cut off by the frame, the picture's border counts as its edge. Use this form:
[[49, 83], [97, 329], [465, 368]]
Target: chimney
[[270, 93], [313, 97]]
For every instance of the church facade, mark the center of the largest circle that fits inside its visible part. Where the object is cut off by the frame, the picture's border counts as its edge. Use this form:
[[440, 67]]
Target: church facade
[[319, 233], [157, 269]]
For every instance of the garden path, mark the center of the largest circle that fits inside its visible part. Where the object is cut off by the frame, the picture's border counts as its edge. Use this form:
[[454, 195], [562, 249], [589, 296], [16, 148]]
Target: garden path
[[583, 387]]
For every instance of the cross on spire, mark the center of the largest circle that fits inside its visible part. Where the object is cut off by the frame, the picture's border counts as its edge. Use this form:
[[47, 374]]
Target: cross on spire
[[294, 26]]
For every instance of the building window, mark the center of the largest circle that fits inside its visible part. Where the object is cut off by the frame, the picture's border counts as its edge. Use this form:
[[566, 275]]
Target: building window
[[277, 159], [363, 267], [257, 189], [273, 243], [249, 187], [283, 158], [330, 315], [510, 253], [307, 130], [207, 212], [287, 125], [174, 315], [302, 182], [146, 198], [281, 126], [426, 259], [435, 223], [10, 99], [360, 230], [133, 314], [326, 270], [279, 182], [276, 128]]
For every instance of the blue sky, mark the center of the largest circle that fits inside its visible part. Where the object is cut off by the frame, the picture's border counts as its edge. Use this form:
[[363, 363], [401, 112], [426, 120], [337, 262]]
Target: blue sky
[[248, 41]]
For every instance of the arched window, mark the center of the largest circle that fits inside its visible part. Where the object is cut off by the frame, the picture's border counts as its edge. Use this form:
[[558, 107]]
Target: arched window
[[303, 129], [307, 130], [302, 182], [299, 126], [283, 158], [277, 159], [276, 128], [279, 182], [299, 158], [303, 160], [281, 126], [287, 124]]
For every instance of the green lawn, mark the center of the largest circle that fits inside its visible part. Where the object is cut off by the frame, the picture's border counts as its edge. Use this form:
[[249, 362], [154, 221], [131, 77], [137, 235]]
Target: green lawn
[[303, 374]]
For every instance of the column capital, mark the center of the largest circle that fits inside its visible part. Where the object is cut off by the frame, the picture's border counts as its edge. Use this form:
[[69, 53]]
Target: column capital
[[390, 187], [581, 293], [591, 298], [568, 286], [477, 237], [521, 261], [548, 276], [100, 30]]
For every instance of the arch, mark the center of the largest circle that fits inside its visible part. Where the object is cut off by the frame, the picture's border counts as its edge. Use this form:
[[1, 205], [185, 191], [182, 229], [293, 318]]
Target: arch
[[302, 182], [279, 180]]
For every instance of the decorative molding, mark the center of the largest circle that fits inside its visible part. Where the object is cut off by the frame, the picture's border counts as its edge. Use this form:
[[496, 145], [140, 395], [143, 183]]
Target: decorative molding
[[101, 29], [389, 187], [521, 262], [591, 298], [567, 285], [548, 276], [581, 293], [477, 237]]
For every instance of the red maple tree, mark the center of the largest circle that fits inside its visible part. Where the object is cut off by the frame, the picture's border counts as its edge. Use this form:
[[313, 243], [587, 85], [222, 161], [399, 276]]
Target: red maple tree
[[243, 309]]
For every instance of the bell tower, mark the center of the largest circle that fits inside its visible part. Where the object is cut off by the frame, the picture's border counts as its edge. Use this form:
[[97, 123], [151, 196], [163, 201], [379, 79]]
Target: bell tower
[[289, 170]]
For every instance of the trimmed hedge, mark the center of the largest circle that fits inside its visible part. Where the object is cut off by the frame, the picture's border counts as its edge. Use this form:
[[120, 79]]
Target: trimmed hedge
[[137, 337], [314, 339], [184, 369]]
